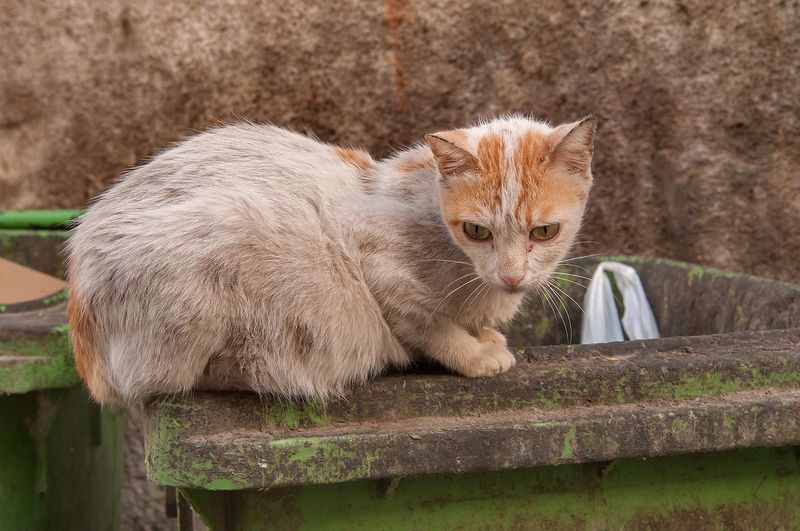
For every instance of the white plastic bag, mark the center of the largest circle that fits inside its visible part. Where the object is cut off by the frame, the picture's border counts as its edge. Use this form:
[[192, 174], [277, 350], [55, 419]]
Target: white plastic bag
[[601, 322]]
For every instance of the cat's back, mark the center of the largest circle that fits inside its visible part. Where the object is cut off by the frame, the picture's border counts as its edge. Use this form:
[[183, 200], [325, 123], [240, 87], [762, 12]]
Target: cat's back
[[231, 243], [238, 159], [228, 187], [239, 174]]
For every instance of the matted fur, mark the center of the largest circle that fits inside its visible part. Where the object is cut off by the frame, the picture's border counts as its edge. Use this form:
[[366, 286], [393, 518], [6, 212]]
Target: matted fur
[[300, 267]]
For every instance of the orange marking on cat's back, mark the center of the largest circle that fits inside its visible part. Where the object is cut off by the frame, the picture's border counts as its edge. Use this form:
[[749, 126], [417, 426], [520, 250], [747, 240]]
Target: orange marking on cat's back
[[410, 166], [82, 327], [355, 157]]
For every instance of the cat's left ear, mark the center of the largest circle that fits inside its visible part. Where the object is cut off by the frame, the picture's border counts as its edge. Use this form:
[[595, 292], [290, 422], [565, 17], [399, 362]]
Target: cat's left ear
[[574, 151], [450, 151]]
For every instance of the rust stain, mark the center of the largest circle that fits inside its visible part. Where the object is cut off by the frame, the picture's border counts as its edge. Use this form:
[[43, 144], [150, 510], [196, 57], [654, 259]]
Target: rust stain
[[394, 19]]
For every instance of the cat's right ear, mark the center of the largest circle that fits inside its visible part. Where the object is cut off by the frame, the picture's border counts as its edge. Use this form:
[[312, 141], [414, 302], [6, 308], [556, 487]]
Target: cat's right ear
[[450, 151]]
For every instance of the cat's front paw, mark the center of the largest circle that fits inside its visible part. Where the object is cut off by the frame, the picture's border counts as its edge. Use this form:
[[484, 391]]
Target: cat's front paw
[[490, 359], [490, 335]]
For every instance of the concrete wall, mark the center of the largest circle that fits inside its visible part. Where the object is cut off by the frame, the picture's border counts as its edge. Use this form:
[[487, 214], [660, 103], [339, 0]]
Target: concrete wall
[[698, 101]]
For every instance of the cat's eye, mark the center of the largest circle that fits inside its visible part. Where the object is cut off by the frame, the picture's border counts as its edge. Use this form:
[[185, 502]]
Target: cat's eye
[[477, 232], [545, 232]]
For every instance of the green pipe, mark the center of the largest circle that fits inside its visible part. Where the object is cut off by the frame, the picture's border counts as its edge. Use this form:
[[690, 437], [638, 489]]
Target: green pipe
[[37, 219]]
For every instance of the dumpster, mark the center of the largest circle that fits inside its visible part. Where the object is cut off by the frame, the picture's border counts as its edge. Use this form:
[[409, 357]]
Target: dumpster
[[696, 430], [60, 455]]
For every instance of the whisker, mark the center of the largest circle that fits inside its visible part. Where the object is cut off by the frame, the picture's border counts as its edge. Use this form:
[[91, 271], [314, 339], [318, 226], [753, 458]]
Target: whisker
[[433, 313], [556, 311], [564, 307], [543, 297], [481, 293], [481, 289], [575, 266], [573, 282], [459, 278], [468, 298], [580, 257], [564, 273], [562, 290], [559, 296]]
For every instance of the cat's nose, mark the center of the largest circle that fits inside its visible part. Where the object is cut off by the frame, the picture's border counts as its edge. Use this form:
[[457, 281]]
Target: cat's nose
[[512, 279]]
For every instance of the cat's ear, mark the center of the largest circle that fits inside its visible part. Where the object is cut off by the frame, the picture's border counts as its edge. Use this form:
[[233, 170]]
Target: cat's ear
[[575, 147], [450, 151]]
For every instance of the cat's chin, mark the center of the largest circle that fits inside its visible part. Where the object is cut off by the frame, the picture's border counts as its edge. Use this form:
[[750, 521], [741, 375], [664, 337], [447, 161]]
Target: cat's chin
[[516, 290]]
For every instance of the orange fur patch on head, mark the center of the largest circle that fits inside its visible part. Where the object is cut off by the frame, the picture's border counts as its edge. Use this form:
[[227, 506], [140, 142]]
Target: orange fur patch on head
[[474, 195], [530, 161], [530, 156], [555, 194], [492, 167], [533, 159], [410, 166], [492, 160], [82, 326], [355, 157]]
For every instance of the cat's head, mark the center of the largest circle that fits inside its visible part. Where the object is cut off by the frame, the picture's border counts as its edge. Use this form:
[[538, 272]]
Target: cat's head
[[513, 192]]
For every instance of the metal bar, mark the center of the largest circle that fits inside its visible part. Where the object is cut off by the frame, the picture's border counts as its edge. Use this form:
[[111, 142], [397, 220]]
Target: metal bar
[[570, 404], [37, 219]]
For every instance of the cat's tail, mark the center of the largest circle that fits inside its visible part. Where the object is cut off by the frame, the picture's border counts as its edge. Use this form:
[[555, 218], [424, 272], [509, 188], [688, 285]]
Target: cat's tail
[[89, 359]]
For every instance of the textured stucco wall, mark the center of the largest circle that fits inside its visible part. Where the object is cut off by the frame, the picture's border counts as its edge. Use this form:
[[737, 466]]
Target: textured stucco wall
[[698, 101]]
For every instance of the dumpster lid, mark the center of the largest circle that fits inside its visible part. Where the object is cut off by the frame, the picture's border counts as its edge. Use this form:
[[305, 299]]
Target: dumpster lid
[[35, 351], [559, 404]]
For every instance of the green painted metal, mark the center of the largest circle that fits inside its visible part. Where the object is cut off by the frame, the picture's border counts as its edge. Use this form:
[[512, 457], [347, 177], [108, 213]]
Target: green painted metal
[[36, 360], [748, 489], [37, 219], [35, 352], [192, 445], [60, 462], [697, 430], [60, 455]]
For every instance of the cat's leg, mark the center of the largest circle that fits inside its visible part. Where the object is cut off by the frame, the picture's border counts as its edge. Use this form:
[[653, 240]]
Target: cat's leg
[[454, 347], [491, 335], [310, 324]]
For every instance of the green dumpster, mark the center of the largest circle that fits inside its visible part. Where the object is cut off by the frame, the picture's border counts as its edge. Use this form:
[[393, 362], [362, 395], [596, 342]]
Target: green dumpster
[[696, 430], [60, 455]]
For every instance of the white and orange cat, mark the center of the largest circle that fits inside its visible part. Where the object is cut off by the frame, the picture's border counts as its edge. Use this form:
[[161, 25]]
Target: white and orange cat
[[254, 254]]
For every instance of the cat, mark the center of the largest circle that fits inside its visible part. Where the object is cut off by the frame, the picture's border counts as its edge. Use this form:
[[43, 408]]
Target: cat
[[255, 253]]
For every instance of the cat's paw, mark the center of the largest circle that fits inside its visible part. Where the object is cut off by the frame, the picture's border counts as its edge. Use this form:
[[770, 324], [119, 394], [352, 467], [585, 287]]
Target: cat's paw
[[490, 359], [490, 335]]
